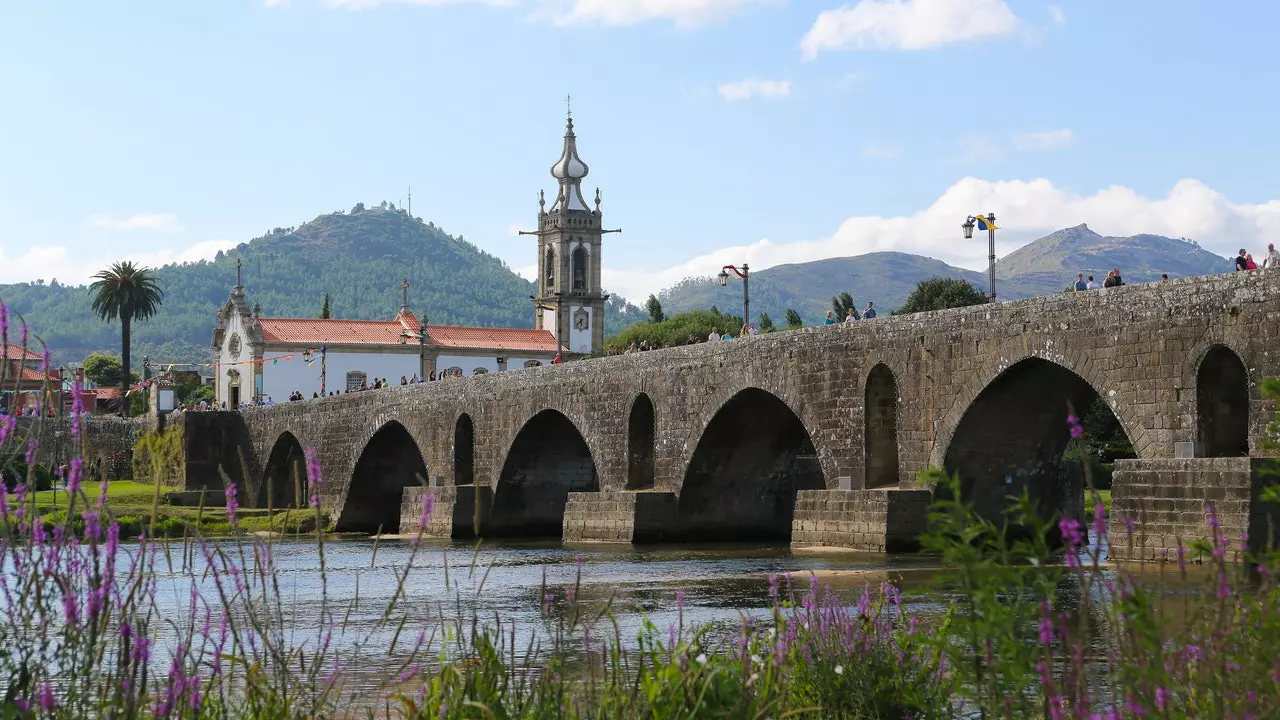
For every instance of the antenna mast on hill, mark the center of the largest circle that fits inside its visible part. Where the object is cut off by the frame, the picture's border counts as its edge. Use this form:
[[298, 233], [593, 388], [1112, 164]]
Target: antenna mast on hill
[[410, 208]]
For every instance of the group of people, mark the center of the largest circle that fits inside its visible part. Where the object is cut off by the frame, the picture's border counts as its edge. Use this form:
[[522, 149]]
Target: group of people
[[1113, 279], [1244, 261], [868, 313]]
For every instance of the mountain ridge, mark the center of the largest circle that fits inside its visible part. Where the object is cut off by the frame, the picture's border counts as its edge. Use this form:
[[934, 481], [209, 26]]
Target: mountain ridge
[[359, 258]]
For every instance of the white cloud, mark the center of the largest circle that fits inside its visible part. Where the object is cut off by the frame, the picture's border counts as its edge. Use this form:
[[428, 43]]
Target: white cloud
[[907, 25], [74, 268], [753, 88], [144, 221], [528, 272], [879, 151], [1043, 140], [1056, 14], [1025, 209]]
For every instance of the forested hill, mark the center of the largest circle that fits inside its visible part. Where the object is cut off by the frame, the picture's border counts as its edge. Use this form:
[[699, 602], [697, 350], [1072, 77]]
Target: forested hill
[[359, 258]]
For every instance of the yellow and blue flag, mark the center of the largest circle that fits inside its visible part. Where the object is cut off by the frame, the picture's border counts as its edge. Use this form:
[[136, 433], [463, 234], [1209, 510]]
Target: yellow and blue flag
[[983, 224]]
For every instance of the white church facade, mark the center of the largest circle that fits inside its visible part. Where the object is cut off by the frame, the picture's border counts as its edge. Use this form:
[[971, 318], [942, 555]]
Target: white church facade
[[256, 357]]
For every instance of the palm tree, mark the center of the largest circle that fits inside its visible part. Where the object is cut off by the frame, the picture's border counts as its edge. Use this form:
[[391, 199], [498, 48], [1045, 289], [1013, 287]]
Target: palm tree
[[126, 293]]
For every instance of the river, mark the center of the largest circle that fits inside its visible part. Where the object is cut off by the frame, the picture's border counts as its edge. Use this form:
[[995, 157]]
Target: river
[[719, 584]]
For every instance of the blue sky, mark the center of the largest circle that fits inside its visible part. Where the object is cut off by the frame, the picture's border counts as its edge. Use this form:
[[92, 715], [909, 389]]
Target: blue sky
[[766, 131]]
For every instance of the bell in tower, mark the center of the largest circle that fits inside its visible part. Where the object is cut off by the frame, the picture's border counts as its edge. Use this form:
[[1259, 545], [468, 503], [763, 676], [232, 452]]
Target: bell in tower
[[570, 300]]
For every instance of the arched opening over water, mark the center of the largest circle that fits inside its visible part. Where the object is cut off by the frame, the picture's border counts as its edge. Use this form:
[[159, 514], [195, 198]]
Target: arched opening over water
[[389, 463], [284, 481], [640, 444], [1222, 403], [880, 431], [464, 451], [752, 459], [548, 460], [1015, 436]]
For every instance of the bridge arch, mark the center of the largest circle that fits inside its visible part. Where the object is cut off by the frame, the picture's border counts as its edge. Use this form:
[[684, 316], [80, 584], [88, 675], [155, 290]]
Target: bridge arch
[[1013, 433], [464, 451], [1222, 402], [284, 479], [388, 463], [880, 428], [547, 460], [751, 459], [641, 444]]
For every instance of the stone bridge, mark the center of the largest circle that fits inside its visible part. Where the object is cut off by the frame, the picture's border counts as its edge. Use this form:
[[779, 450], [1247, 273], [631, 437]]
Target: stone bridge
[[815, 435]]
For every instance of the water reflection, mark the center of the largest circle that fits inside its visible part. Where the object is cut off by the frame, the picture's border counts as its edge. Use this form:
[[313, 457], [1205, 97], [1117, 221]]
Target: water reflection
[[450, 581]]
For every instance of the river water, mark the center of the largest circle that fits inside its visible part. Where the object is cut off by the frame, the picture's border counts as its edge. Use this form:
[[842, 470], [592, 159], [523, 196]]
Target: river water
[[719, 584]]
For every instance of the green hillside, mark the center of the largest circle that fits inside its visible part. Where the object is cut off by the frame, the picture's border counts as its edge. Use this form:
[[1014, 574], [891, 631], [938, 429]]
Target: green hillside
[[1042, 267], [358, 258], [886, 278], [1053, 261]]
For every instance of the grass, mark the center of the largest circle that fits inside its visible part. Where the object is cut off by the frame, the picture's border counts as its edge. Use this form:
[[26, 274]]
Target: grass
[[132, 504]]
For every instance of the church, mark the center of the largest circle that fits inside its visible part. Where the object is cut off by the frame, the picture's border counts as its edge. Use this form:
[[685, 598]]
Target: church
[[256, 357]]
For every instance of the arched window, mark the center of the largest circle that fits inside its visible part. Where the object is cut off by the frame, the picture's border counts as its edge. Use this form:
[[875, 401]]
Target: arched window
[[549, 271], [355, 380], [532, 363], [580, 269]]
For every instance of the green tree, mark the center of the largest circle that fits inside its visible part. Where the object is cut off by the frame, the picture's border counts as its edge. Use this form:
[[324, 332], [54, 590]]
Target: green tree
[[677, 329], [103, 370], [793, 319], [324, 309], [125, 292], [655, 309], [941, 293], [842, 304], [766, 323]]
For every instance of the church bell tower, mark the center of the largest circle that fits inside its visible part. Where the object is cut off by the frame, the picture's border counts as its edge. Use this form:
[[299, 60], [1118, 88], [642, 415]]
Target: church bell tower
[[570, 301]]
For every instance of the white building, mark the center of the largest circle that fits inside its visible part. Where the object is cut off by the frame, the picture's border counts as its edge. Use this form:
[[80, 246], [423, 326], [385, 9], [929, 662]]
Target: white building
[[259, 357]]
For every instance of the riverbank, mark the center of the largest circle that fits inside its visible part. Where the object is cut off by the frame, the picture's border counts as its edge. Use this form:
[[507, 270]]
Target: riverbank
[[139, 507]]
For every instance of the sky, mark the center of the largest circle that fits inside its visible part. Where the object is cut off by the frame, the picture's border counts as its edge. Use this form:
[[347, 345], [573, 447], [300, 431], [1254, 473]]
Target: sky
[[718, 131]]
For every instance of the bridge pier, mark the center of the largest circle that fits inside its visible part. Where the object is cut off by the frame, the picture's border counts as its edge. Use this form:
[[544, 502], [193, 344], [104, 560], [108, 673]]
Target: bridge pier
[[621, 516], [456, 511], [1165, 501], [889, 520]]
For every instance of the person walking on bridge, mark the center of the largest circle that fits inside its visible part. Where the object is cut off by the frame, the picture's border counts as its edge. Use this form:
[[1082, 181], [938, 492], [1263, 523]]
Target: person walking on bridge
[[1272, 258]]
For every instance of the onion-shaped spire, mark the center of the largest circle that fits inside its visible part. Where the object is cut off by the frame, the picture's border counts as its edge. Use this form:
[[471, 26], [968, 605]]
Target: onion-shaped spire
[[569, 166]]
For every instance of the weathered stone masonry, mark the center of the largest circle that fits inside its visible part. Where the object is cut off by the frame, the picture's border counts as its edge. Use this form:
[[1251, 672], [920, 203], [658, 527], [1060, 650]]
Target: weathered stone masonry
[[982, 390]]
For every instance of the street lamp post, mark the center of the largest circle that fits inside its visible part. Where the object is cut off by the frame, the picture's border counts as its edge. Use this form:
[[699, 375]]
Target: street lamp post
[[987, 223], [746, 288]]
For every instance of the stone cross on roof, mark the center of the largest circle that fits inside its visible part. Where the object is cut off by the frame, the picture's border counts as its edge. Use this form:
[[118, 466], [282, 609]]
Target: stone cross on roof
[[238, 266]]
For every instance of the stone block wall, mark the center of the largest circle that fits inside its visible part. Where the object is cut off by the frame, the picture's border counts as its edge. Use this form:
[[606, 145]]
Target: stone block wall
[[107, 445], [456, 510], [868, 520], [1166, 498], [622, 517]]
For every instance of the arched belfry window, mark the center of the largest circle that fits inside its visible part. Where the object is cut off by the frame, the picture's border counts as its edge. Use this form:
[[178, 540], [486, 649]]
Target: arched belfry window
[[549, 271], [580, 269]]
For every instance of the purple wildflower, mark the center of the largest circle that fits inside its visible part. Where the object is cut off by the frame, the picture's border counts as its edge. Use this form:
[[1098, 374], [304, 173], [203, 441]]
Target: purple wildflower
[[313, 476], [47, 701], [1077, 430], [232, 503]]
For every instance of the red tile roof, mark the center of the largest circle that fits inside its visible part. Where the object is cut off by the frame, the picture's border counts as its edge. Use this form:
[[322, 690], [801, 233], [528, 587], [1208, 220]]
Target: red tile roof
[[17, 352], [497, 338], [311, 331]]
